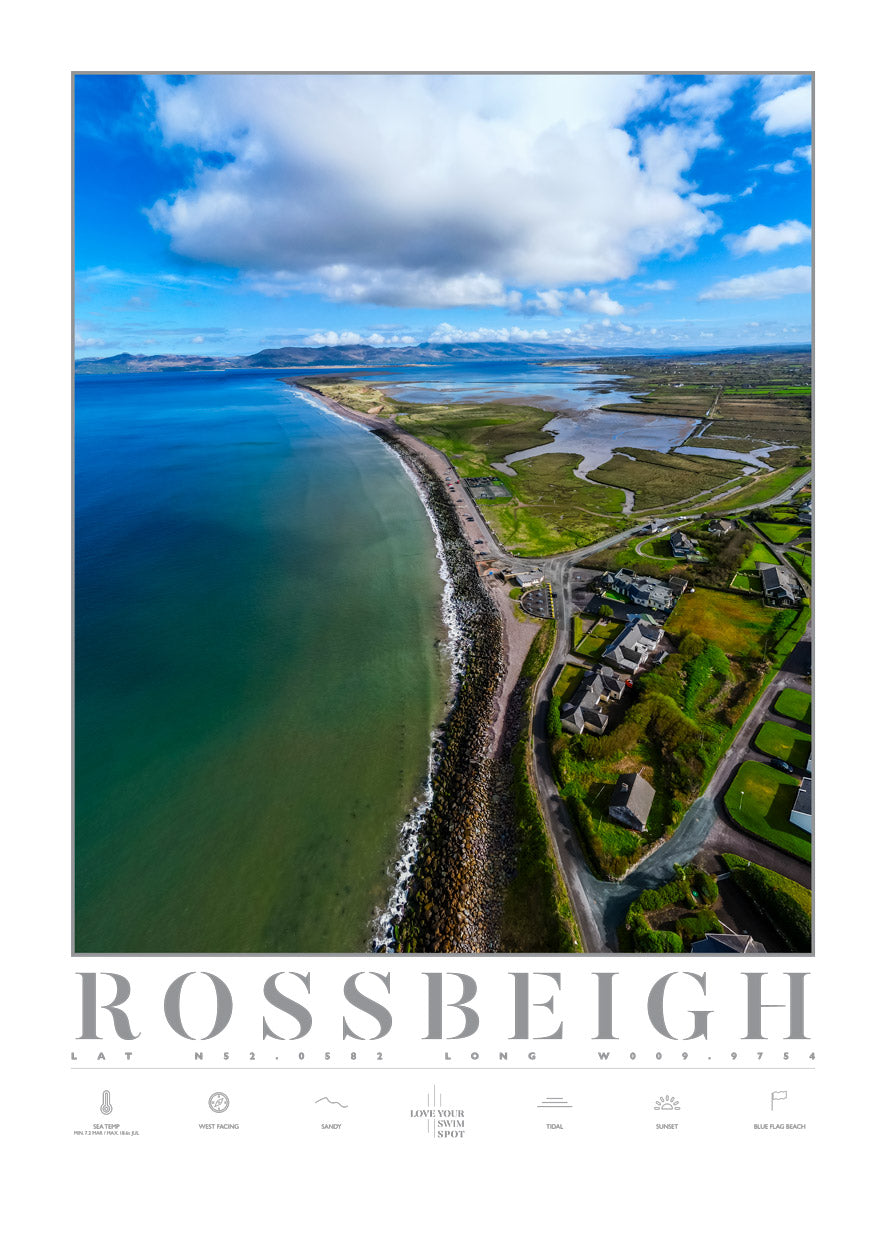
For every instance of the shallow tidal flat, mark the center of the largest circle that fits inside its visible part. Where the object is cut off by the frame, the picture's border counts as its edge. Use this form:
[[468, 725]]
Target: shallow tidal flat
[[259, 667]]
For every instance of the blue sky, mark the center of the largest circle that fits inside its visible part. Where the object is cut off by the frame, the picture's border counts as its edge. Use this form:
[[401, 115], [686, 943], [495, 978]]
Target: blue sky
[[221, 214]]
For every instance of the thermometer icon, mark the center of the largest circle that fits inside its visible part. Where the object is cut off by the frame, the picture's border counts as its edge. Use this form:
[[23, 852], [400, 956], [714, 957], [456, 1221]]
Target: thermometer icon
[[106, 1107]]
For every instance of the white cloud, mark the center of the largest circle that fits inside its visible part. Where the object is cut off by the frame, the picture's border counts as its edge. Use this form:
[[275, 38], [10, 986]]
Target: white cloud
[[762, 286], [710, 98], [804, 152], [761, 239], [749, 189], [789, 112], [331, 338], [468, 186], [786, 167], [658, 286], [196, 340], [709, 200]]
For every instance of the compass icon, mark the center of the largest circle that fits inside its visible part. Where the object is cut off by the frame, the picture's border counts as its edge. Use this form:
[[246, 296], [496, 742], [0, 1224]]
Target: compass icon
[[219, 1102]]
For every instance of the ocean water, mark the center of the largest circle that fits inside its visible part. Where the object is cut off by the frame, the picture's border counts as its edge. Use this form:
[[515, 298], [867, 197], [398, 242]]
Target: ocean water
[[260, 660]]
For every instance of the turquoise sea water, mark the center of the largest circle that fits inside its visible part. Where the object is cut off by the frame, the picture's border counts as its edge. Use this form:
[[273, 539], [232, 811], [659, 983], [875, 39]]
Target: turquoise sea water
[[258, 667]]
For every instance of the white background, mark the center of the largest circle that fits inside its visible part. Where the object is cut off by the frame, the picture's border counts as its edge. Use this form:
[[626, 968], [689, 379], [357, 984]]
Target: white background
[[279, 1174]]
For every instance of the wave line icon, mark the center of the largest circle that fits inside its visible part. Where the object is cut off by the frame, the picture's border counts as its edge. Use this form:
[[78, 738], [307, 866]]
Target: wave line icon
[[332, 1102]]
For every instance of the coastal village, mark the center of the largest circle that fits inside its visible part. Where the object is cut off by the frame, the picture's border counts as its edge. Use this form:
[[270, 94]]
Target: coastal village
[[666, 734]]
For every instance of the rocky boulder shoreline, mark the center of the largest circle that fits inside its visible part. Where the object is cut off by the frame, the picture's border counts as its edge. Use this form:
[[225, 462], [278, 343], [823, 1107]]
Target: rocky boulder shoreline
[[466, 851]]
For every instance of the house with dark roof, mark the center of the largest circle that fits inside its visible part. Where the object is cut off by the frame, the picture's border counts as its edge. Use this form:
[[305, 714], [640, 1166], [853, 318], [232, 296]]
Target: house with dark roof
[[801, 814], [720, 527], [717, 944], [681, 545], [633, 649], [780, 588], [631, 801], [587, 708], [645, 591]]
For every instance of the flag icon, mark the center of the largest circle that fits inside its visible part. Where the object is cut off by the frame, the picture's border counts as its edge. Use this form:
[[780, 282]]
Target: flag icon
[[777, 1095]]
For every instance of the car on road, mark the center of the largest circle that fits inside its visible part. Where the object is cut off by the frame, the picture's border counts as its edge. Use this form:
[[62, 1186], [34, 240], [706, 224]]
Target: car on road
[[470, 518]]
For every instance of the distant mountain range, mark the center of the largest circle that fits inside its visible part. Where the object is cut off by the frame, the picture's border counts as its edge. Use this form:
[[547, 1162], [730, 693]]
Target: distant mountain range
[[363, 355]]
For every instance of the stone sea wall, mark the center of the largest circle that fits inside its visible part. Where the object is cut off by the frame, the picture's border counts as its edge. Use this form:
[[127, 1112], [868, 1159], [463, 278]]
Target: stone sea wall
[[465, 854]]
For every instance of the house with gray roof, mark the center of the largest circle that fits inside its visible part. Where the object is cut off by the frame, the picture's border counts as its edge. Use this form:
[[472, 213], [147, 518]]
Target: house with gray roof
[[586, 709], [801, 814], [719, 527], [633, 648], [645, 591], [631, 801], [780, 588], [717, 944], [681, 545]]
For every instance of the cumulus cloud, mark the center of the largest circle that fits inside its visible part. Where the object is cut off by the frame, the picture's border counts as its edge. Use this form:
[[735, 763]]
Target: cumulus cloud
[[320, 338], [804, 152], [761, 239], [428, 191], [584, 301], [710, 97], [762, 286], [788, 112], [786, 167]]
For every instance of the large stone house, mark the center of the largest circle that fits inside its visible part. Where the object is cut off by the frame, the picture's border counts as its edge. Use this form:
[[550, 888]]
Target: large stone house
[[631, 801], [779, 586], [719, 527], [634, 647], [645, 591], [586, 709]]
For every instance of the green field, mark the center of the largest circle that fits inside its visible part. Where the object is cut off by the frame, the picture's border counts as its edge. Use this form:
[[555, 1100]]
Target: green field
[[780, 741], [802, 562], [659, 478], [800, 390], [736, 624], [758, 554], [760, 799], [777, 533], [794, 704], [552, 510], [747, 581], [594, 643], [762, 490], [567, 682]]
